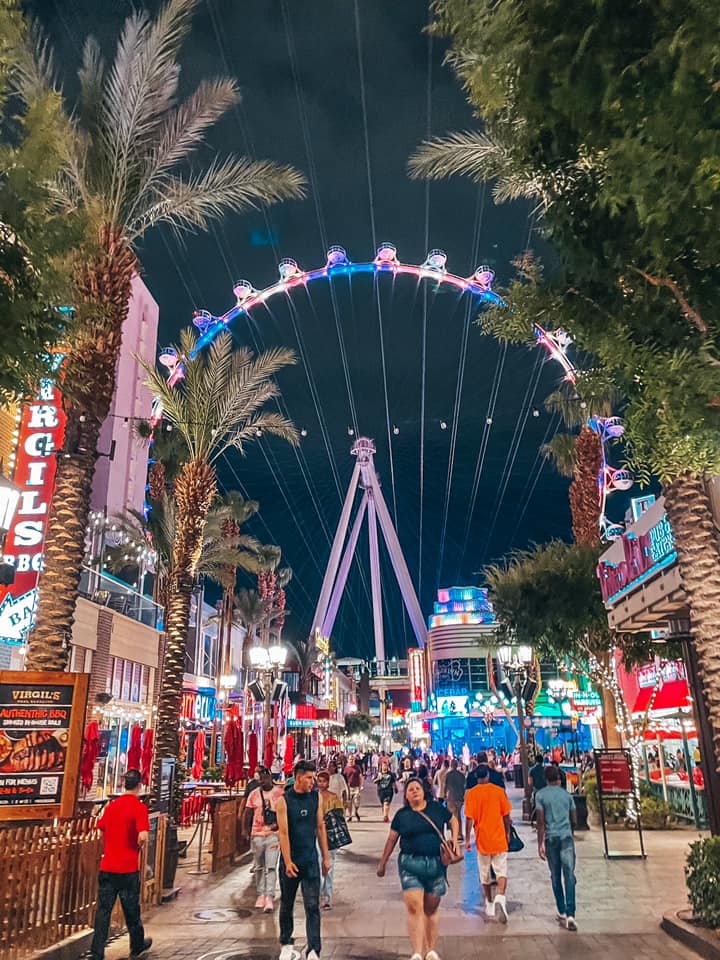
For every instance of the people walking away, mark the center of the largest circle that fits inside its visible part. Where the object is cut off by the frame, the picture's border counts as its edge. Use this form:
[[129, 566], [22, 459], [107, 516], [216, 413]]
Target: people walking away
[[536, 780], [556, 818], [386, 787], [354, 776], [455, 792], [487, 810], [423, 877], [262, 824], [439, 779], [495, 775], [338, 783], [302, 829], [126, 826], [328, 801]]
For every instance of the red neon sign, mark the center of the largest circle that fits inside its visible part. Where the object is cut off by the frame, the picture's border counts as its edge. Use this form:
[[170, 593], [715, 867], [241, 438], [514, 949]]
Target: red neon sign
[[42, 427]]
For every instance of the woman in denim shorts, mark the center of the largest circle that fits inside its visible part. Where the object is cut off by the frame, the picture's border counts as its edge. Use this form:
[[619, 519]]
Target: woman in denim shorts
[[422, 875]]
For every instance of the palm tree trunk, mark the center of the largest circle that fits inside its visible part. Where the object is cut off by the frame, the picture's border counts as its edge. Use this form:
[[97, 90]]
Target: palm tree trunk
[[690, 514], [88, 383], [583, 493], [195, 490]]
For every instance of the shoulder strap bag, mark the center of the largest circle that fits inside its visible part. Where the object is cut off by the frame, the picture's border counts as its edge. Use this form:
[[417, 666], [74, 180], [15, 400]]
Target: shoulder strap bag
[[447, 851]]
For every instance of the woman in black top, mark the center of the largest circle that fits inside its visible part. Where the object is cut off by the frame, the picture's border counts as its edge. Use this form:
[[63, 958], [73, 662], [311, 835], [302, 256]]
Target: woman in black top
[[422, 874], [386, 787]]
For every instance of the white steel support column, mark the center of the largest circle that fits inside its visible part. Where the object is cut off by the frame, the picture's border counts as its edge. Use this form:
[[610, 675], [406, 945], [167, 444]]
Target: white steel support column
[[375, 579], [332, 567], [338, 589]]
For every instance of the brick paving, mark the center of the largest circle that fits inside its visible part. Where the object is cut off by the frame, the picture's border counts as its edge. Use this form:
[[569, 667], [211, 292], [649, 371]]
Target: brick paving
[[620, 905]]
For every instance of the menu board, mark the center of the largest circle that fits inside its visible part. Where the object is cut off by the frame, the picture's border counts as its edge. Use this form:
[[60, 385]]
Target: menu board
[[41, 722], [613, 767]]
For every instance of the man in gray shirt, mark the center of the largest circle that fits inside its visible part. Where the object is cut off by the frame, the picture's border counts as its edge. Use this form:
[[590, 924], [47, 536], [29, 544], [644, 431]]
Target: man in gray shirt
[[555, 821]]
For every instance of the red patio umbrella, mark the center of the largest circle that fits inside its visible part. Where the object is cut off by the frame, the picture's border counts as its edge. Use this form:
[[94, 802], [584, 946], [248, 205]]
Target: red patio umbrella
[[289, 754], [135, 749], [183, 744], [331, 742], [91, 749], [233, 753], [252, 753], [198, 755], [146, 757], [269, 748]]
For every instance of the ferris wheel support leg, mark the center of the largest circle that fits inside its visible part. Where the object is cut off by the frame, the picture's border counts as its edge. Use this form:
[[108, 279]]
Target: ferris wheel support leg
[[375, 580], [333, 562], [329, 621], [402, 573]]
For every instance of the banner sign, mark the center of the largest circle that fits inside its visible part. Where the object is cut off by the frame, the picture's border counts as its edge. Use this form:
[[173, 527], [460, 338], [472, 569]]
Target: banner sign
[[614, 777], [41, 732], [643, 557]]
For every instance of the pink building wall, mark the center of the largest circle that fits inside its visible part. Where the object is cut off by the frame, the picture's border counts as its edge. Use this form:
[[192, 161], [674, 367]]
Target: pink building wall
[[120, 478]]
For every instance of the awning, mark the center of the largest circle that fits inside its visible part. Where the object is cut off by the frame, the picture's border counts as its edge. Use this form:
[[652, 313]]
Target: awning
[[672, 695]]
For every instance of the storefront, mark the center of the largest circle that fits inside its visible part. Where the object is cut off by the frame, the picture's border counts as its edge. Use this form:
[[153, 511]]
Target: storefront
[[197, 714]]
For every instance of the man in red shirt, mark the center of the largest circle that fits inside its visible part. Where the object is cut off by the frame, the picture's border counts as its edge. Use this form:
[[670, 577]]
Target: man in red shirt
[[126, 825], [354, 776]]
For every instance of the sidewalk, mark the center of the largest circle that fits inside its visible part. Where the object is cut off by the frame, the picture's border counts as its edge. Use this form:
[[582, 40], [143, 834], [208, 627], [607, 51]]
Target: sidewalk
[[620, 905]]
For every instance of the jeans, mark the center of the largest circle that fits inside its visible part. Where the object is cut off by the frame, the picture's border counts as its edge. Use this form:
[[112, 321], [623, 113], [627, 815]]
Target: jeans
[[560, 852], [110, 887], [266, 851], [309, 879], [326, 883]]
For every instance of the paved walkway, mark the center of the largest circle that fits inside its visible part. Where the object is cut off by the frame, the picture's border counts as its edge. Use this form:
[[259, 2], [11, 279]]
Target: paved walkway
[[620, 905]]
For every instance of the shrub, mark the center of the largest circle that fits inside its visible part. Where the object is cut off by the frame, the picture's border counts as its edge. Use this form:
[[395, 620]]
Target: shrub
[[656, 814], [702, 873]]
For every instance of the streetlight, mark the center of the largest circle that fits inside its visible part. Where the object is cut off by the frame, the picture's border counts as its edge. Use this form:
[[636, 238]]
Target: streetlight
[[266, 661], [517, 664], [9, 499]]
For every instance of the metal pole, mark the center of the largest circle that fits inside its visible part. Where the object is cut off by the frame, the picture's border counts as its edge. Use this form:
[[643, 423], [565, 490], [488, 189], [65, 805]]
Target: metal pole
[[375, 580], [522, 743], [329, 619]]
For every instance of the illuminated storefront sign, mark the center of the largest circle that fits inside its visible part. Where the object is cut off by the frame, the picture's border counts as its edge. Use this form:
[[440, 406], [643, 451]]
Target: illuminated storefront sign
[[41, 432], [644, 556], [416, 670], [452, 706], [669, 671], [198, 706], [461, 605]]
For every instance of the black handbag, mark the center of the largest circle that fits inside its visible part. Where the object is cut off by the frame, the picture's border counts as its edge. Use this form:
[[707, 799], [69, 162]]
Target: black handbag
[[269, 815], [515, 844], [336, 828]]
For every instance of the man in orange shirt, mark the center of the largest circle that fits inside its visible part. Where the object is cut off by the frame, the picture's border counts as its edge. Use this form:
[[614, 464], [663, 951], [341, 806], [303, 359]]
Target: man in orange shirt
[[487, 809]]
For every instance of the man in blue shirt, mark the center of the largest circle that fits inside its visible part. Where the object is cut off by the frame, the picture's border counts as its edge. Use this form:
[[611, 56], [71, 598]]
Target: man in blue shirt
[[555, 821]]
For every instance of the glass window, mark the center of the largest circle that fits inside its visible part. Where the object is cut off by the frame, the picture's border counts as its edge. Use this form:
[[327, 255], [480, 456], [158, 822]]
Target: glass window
[[191, 650], [144, 679], [126, 680], [208, 659], [117, 677], [111, 667], [135, 685]]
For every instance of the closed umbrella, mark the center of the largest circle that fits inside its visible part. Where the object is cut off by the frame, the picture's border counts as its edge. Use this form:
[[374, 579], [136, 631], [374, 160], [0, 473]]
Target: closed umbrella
[[289, 754], [252, 753], [198, 755], [146, 757], [269, 748], [229, 745], [91, 749], [135, 749]]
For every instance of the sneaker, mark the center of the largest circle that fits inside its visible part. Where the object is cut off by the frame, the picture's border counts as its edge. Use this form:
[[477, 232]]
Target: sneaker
[[490, 909], [501, 908], [561, 919], [357, 817], [432, 955], [327, 905], [288, 952], [269, 905], [312, 956], [260, 902], [416, 956], [571, 923], [141, 953]]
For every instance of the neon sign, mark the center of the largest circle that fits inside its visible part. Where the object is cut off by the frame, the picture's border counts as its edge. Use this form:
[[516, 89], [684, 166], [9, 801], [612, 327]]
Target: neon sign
[[416, 671], [41, 431], [644, 556]]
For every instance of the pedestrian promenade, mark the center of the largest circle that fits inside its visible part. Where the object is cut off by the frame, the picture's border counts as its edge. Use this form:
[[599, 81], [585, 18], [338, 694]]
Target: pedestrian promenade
[[620, 905]]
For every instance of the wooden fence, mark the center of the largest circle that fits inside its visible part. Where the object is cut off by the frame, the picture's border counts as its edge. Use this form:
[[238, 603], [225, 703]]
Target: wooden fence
[[48, 889]]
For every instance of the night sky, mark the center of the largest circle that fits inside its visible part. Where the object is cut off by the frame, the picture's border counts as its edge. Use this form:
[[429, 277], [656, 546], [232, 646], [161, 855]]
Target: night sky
[[303, 96]]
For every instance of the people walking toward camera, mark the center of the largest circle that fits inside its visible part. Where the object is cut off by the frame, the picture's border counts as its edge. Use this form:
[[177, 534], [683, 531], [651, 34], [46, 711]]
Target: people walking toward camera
[[455, 792], [126, 826], [302, 830], [555, 822], [354, 776], [386, 787], [328, 801], [338, 783], [419, 825], [260, 822], [487, 810]]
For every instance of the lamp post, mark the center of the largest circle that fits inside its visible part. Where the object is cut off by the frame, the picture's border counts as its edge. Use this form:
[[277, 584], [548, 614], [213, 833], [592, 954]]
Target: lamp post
[[266, 661], [517, 665], [9, 499]]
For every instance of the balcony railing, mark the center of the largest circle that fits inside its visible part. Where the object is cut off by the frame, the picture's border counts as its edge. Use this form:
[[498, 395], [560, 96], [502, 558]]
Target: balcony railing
[[107, 591]]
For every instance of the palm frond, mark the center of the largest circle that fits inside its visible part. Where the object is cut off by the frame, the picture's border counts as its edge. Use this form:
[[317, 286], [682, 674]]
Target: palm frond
[[184, 129], [91, 76], [561, 452], [235, 183], [273, 423], [474, 154]]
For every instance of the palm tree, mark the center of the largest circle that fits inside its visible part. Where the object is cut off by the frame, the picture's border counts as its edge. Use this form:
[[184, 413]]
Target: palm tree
[[305, 655], [126, 170], [217, 407]]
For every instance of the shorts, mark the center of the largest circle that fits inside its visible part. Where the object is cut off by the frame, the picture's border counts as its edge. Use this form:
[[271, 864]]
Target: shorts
[[422, 873], [498, 862], [385, 796]]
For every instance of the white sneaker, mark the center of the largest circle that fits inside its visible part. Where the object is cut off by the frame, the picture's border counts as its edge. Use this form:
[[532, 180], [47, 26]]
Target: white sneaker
[[289, 952], [571, 923], [561, 919], [312, 956], [501, 908], [490, 909]]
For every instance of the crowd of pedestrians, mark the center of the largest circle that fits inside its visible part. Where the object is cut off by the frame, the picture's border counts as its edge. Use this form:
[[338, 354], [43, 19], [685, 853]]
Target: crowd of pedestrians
[[296, 828]]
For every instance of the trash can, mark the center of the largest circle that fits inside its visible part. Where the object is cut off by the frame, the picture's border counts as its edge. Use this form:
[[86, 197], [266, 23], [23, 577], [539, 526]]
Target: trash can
[[172, 850], [519, 776], [581, 811]]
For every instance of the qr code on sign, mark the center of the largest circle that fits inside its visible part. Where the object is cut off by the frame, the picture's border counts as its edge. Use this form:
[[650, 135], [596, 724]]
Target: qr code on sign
[[48, 786]]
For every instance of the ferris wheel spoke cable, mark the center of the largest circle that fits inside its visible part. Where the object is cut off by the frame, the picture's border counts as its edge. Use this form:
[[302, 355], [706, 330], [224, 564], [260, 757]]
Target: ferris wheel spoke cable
[[182, 274], [535, 472], [477, 230], [363, 101], [428, 135]]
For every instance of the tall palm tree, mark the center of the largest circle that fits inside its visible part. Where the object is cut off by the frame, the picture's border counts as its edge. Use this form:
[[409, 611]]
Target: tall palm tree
[[126, 169], [305, 654], [217, 407]]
